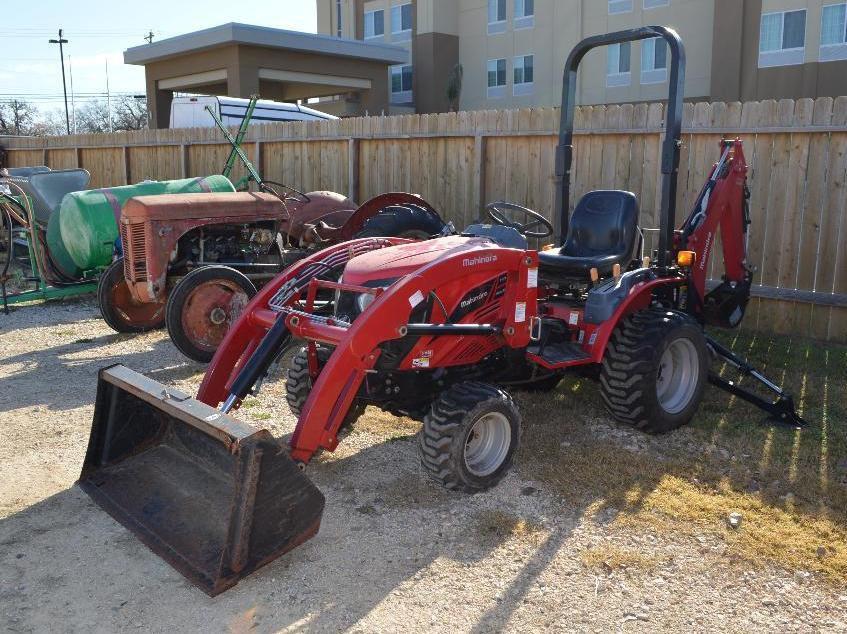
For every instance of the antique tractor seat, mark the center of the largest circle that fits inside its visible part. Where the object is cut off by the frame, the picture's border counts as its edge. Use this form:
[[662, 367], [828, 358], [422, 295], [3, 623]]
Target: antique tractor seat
[[603, 232]]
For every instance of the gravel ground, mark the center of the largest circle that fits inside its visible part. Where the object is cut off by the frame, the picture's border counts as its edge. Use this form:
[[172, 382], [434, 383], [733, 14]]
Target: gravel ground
[[394, 551]]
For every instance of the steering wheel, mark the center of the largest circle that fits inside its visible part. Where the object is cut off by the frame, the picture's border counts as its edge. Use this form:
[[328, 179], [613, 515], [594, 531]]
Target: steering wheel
[[496, 211], [289, 192]]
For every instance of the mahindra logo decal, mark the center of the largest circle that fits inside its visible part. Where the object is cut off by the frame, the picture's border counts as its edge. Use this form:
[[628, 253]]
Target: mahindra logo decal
[[474, 299], [480, 259], [706, 251]]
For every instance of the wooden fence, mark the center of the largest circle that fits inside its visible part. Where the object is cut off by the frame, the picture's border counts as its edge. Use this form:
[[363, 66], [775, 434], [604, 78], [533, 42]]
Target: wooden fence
[[797, 151]]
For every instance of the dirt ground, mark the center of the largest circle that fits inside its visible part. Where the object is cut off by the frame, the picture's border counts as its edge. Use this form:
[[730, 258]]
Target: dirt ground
[[596, 529]]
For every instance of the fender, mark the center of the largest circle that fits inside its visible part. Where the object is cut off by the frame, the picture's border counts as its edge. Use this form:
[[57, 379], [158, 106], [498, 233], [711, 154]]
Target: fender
[[639, 299], [357, 352], [245, 334], [373, 206]]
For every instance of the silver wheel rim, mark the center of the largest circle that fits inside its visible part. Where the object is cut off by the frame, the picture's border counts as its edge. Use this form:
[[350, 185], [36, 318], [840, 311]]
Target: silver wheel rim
[[677, 376], [488, 444]]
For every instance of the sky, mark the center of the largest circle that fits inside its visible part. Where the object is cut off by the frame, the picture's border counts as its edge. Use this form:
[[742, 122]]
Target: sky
[[99, 31]]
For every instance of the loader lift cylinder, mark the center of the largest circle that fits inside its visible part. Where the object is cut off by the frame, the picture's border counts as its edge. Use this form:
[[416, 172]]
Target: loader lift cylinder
[[673, 130]]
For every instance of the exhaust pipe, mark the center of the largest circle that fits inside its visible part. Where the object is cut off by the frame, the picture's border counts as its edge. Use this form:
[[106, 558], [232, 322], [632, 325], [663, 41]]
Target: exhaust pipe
[[214, 497]]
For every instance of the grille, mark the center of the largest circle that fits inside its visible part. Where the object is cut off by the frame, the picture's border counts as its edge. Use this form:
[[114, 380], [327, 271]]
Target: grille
[[135, 253]]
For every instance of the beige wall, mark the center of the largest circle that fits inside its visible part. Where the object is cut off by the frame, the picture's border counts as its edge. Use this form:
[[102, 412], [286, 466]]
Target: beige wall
[[721, 39]]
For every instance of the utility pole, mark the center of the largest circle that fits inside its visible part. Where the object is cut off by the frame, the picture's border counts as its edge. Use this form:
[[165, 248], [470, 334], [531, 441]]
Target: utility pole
[[60, 42], [149, 37]]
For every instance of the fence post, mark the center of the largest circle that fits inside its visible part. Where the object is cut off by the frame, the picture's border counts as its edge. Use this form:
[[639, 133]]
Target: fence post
[[353, 169], [183, 156], [479, 144]]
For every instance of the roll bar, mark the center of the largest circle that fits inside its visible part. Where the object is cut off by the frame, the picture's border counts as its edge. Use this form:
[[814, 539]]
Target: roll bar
[[673, 129]]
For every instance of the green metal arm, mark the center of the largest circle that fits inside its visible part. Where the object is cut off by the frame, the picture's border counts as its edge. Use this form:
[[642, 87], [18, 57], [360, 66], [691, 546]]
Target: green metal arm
[[237, 151]]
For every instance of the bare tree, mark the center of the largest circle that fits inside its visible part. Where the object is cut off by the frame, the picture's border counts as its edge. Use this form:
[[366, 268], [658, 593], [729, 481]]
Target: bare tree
[[130, 114], [93, 118], [17, 117]]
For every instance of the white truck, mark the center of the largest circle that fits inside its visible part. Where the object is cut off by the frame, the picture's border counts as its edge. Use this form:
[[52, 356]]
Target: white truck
[[190, 112]]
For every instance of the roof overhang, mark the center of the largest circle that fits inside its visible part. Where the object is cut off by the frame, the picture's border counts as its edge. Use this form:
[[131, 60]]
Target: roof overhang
[[250, 35]]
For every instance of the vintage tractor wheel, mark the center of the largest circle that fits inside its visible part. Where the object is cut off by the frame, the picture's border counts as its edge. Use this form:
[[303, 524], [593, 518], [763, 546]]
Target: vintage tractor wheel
[[403, 221], [655, 370], [203, 306], [298, 384], [470, 437], [118, 308]]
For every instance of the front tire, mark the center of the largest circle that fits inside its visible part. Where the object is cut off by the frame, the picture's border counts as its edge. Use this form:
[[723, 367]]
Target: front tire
[[655, 370], [119, 309], [403, 221], [203, 306], [298, 384], [470, 436]]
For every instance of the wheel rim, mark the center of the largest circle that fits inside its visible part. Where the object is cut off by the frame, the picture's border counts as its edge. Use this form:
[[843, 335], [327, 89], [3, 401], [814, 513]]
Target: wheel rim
[[146, 315], [677, 376], [209, 311], [488, 444]]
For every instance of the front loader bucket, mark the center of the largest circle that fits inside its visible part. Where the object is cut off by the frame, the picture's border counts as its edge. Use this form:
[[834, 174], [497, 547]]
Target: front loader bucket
[[212, 496]]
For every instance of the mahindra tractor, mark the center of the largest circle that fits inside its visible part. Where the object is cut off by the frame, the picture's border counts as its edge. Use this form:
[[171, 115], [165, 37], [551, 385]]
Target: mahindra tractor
[[440, 330]]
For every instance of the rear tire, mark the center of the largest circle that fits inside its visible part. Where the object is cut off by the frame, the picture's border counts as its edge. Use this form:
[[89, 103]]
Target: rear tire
[[403, 221], [470, 436], [203, 306], [298, 384], [655, 370], [117, 307]]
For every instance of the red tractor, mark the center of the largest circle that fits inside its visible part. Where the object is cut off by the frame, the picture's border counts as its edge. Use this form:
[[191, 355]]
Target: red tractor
[[440, 330]]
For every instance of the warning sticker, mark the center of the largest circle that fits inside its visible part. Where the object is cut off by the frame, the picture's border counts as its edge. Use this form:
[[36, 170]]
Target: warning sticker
[[581, 337], [420, 362], [426, 354], [592, 339], [416, 298], [532, 278], [573, 319], [520, 312]]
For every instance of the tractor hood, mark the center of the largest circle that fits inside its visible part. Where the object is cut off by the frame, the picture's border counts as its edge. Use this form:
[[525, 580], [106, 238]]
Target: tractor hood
[[394, 262]]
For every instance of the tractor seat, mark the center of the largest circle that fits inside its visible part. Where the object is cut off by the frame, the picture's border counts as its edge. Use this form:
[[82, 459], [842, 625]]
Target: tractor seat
[[603, 232]]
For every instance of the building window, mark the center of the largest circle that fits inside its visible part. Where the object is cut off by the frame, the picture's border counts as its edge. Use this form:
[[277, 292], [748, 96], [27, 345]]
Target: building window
[[654, 61], [782, 39], [374, 24], [524, 14], [338, 10], [523, 75], [401, 84], [496, 16], [496, 78], [834, 33], [617, 73], [401, 22], [620, 6], [652, 4]]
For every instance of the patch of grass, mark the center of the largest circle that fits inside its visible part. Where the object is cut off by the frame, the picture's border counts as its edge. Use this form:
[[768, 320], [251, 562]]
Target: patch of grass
[[502, 524], [250, 402], [790, 486], [386, 426], [84, 340], [611, 557], [262, 415]]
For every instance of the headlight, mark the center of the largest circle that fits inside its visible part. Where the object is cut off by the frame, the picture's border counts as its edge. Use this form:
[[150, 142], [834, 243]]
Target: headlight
[[363, 300]]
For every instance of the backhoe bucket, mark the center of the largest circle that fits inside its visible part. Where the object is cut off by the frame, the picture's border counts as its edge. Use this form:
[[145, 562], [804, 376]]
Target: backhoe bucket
[[212, 496]]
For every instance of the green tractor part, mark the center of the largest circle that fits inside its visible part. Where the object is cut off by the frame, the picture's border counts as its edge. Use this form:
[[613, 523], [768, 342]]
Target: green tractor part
[[85, 226]]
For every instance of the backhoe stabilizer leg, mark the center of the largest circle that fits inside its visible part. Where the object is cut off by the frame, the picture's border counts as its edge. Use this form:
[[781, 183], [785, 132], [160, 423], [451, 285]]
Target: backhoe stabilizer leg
[[781, 411]]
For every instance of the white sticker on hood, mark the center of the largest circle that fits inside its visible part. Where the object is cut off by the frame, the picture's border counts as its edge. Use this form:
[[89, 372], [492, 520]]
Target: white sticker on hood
[[520, 312], [416, 298]]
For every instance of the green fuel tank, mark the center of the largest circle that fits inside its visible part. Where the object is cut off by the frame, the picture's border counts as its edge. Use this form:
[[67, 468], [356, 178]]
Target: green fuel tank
[[81, 234]]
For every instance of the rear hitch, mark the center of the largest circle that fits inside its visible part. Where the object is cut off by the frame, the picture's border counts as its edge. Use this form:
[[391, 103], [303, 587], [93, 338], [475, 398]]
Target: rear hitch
[[781, 411]]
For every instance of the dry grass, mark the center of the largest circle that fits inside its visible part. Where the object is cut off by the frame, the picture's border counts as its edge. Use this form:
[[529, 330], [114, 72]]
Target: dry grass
[[504, 525], [384, 425], [790, 486], [611, 557]]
